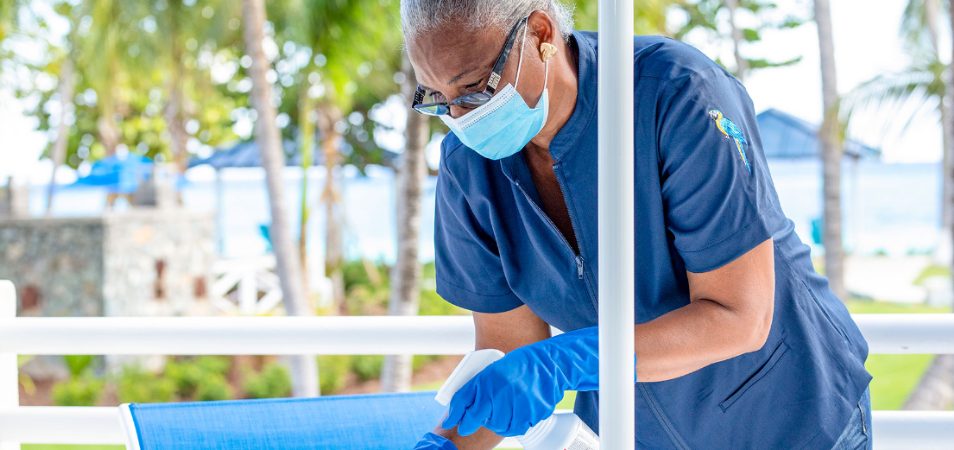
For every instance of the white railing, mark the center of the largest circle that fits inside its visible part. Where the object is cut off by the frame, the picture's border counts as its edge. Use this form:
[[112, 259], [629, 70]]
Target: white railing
[[249, 286], [245, 286], [886, 333]]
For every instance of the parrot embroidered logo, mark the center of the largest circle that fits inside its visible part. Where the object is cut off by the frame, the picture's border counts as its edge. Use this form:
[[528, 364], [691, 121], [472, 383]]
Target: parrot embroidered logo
[[731, 131]]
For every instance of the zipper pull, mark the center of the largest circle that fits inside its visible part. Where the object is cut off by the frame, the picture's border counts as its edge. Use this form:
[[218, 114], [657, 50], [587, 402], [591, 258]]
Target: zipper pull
[[579, 267]]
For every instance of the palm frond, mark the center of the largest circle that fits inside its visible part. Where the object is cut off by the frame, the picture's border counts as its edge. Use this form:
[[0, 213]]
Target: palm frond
[[895, 98]]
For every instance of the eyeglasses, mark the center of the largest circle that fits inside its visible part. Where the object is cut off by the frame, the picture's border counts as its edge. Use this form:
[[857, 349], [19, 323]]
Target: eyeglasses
[[438, 105]]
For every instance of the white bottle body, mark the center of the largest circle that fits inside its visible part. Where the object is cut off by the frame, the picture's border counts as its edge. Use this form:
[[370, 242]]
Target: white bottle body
[[562, 431]]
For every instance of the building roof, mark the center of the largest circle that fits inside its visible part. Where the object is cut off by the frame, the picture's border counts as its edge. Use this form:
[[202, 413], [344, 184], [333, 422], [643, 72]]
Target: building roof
[[786, 136]]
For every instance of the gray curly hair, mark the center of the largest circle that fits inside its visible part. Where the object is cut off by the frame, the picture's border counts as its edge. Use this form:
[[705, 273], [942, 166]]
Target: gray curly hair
[[418, 16]]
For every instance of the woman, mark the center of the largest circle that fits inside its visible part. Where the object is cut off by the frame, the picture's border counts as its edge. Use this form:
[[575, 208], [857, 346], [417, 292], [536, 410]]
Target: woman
[[740, 344]]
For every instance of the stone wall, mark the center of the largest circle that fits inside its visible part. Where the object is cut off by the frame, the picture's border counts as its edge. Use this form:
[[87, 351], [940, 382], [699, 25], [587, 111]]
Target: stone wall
[[145, 262], [56, 265], [157, 263]]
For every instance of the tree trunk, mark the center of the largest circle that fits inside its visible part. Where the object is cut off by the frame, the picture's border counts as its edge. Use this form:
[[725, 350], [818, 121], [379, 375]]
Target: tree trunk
[[935, 390], [831, 154], [406, 274], [106, 126], [67, 89], [175, 110], [304, 368], [741, 65], [328, 116], [175, 117], [306, 125], [931, 18], [947, 184]]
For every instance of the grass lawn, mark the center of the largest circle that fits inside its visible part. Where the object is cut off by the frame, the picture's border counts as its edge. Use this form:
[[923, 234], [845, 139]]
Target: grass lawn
[[894, 375]]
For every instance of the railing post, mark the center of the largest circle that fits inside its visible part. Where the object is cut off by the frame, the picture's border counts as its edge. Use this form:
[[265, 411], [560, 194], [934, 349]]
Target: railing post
[[248, 291], [9, 374], [615, 231]]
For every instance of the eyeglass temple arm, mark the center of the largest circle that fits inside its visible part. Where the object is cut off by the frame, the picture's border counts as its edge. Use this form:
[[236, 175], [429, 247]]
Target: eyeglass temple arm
[[502, 59]]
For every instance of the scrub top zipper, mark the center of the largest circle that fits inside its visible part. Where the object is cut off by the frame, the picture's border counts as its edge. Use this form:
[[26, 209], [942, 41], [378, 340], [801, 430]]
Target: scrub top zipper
[[578, 257], [581, 273]]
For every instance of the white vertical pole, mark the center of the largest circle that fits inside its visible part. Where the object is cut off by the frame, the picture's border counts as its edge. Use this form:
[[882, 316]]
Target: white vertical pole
[[616, 228], [9, 374]]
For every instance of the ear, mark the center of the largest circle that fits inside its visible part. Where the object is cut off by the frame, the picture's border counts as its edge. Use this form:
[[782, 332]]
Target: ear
[[543, 28]]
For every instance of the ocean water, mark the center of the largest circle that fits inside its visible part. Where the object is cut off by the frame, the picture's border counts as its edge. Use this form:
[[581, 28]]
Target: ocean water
[[889, 208]]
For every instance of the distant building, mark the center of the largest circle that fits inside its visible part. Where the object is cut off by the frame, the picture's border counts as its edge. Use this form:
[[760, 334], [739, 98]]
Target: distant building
[[785, 136]]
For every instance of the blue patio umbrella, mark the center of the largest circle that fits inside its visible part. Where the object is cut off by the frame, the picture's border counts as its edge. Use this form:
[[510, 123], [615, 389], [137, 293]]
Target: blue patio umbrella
[[118, 175], [246, 154]]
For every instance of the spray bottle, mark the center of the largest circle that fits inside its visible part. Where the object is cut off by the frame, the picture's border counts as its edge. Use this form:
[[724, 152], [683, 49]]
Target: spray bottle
[[562, 430]]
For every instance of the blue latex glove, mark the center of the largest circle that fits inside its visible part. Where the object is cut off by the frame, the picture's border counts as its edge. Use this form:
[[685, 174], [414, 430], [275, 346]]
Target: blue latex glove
[[524, 387], [432, 441]]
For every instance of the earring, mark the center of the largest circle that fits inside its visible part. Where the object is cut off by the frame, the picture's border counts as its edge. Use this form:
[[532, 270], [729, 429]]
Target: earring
[[547, 50]]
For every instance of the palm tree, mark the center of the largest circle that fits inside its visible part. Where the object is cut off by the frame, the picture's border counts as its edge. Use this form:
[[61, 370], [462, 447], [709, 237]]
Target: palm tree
[[181, 23], [105, 51], [926, 84], [406, 274], [347, 76], [66, 91], [741, 65], [713, 17], [831, 146], [935, 390], [304, 368], [922, 85], [67, 88]]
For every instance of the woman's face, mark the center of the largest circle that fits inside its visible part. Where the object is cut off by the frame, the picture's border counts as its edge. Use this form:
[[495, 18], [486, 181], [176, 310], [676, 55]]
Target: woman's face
[[454, 62]]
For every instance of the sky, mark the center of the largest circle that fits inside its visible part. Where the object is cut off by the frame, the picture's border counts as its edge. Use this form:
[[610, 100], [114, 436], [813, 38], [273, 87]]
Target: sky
[[866, 44]]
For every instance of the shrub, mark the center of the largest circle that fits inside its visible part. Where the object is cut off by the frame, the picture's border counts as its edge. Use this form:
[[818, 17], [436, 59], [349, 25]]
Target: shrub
[[214, 364], [85, 390], [333, 372], [367, 367], [273, 381], [138, 385], [78, 364], [190, 375], [420, 360], [214, 387]]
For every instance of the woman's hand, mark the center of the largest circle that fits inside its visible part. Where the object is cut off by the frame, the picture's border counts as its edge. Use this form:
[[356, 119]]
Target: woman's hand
[[432, 441], [524, 387]]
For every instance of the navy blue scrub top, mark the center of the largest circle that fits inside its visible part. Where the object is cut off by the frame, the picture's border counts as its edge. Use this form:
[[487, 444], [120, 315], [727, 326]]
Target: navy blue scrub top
[[704, 196]]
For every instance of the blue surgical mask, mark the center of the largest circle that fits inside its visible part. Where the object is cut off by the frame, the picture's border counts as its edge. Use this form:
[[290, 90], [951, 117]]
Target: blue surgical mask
[[503, 125]]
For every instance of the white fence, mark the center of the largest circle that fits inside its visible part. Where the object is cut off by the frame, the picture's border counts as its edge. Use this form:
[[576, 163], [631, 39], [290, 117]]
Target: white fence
[[249, 286], [887, 333], [245, 286]]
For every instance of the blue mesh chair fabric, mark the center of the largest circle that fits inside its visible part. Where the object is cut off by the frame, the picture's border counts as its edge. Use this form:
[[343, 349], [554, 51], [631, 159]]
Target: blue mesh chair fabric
[[375, 421]]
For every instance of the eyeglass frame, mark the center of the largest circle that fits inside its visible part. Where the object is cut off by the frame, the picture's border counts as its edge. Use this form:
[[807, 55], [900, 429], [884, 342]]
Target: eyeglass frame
[[472, 99]]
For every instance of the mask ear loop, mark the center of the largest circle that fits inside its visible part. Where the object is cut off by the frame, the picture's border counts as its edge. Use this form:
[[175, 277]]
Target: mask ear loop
[[546, 72], [523, 42]]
